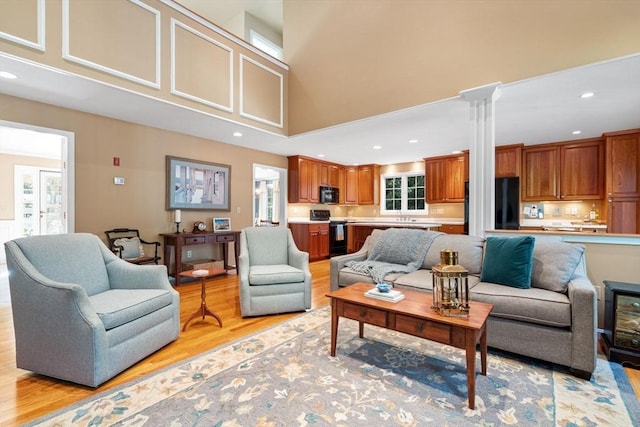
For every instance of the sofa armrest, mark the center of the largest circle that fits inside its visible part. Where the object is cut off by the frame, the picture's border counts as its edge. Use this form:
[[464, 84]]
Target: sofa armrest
[[337, 263], [584, 321]]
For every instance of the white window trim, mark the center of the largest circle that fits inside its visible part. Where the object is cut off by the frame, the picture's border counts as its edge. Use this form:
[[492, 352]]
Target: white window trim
[[404, 211], [265, 44]]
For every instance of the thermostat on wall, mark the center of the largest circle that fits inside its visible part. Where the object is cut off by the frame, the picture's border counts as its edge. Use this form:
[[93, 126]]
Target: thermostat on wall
[[118, 180]]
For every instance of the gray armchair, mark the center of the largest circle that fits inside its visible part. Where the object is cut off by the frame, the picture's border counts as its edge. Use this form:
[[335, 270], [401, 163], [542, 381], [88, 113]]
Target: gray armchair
[[274, 273], [82, 314]]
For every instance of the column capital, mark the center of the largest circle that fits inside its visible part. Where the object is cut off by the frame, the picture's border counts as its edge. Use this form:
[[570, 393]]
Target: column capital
[[491, 91]]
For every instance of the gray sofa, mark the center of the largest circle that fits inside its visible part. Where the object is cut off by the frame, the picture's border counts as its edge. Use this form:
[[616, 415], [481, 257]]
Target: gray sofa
[[554, 320], [82, 314]]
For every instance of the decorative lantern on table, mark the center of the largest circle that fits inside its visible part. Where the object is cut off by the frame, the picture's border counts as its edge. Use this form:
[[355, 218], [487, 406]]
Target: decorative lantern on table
[[450, 286]]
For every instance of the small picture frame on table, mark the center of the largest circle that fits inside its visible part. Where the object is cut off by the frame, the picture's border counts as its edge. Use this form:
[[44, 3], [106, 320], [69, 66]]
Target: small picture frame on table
[[221, 224]]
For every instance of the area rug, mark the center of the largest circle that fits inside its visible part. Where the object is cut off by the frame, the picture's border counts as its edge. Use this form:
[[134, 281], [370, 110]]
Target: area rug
[[284, 376]]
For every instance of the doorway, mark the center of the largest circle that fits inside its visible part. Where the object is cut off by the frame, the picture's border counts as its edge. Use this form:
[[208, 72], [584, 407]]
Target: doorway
[[37, 165], [270, 190]]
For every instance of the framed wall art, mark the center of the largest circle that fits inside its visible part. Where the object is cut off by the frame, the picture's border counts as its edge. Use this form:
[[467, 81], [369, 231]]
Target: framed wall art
[[194, 184], [221, 224]]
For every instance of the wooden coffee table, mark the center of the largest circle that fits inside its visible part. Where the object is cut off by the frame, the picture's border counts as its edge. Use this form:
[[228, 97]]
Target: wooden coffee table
[[414, 316], [203, 310]]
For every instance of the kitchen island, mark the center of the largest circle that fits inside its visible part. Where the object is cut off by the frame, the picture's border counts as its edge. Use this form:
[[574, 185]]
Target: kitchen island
[[360, 230]]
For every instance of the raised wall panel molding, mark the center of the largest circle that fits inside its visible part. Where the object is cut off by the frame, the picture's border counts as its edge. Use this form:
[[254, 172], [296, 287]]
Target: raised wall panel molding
[[227, 35], [213, 74], [69, 56], [243, 92], [39, 43]]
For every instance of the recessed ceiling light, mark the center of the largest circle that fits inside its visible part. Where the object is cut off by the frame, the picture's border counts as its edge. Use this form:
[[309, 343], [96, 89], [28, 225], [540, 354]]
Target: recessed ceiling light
[[456, 152], [320, 155], [356, 164], [237, 134], [413, 141], [576, 132], [377, 147], [7, 75], [587, 95]]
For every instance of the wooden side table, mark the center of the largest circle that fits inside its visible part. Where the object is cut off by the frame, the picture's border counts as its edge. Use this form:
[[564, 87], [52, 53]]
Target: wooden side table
[[204, 310]]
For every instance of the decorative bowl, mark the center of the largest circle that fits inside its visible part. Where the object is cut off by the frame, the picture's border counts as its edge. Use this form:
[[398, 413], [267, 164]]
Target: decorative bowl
[[383, 287]]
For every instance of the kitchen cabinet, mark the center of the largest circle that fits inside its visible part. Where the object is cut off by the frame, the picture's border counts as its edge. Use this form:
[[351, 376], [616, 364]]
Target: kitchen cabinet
[[368, 185], [508, 161], [350, 186], [329, 175], [452, 228], [312, 238], [445, 177], [356, 236], [564, 171], [304, 180], [623, 181]]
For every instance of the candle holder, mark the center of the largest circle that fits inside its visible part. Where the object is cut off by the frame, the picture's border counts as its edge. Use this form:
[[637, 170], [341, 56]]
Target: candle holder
[[177, 227], [450, 286]]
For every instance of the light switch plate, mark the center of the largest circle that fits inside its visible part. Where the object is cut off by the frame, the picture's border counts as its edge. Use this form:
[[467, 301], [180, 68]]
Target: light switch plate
[[118, 180]]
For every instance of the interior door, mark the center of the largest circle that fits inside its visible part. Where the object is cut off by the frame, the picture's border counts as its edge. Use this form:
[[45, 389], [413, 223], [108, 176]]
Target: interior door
[[51, 221]]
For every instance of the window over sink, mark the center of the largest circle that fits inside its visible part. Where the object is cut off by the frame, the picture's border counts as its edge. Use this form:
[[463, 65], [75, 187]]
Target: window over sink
[[403, 193]]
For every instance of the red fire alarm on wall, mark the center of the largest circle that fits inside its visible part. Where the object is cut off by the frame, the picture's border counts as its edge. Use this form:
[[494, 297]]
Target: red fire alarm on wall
[[116, 161]]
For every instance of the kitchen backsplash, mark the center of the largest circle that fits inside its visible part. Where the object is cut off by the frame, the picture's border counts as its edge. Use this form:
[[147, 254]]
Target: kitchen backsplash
[[573, 211]]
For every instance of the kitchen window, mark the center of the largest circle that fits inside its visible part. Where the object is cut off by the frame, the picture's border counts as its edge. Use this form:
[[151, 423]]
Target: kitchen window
[[403, 193]]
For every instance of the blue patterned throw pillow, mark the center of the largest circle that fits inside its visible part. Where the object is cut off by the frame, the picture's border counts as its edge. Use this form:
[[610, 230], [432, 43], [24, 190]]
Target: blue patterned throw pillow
[[508, 261]]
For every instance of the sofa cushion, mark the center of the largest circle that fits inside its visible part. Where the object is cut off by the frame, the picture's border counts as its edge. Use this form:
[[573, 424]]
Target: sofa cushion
[[532, 305], [117, 307], [274, 274], [554, 263], [469, 250], [508, 261], [422, 280]]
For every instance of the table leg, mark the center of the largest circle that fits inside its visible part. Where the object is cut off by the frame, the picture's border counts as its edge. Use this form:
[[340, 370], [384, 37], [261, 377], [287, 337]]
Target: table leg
[[483, 349], [361, 329], [470, 347], [177, 250], [334, 327], [204, 310]]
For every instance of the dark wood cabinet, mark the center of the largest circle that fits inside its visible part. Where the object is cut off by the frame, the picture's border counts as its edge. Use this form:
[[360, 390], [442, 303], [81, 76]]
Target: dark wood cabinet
[[312, 238], [508, 161], [445, 177], [452, 228], [621, 337], [564, 171], [356, 236], [329, 175], [304, 180], [623, 181], [350, 185], [368, 185]]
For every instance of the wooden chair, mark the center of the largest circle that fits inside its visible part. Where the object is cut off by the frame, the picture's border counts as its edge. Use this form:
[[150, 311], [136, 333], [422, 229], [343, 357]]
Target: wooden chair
[[128, 245]]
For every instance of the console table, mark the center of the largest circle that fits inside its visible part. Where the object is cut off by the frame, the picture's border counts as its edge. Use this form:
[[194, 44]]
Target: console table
[[178, 240]]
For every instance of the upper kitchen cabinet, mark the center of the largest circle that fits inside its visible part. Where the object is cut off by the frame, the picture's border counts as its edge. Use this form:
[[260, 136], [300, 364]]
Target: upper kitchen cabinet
[[445, 178], [623, 181], [349, 188], [508, 161], [564, 171], [368, 185], [329, 174], [304, 180]]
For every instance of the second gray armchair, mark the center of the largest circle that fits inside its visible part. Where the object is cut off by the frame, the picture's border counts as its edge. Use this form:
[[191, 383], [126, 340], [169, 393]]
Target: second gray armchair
[[274, 273]]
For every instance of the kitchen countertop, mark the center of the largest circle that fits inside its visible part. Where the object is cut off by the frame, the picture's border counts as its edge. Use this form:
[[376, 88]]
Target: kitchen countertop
[[576, 237], [385, 222], [564, 225]]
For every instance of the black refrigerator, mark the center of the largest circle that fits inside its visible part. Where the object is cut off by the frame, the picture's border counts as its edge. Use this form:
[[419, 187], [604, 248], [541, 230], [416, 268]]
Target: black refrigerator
[[507, 204]]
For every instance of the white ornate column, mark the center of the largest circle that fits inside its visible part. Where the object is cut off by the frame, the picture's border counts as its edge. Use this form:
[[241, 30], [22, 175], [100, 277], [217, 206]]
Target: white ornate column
[[482, 157]]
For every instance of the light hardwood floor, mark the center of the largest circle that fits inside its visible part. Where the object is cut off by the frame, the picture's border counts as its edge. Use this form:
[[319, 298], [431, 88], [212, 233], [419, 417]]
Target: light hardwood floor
[[25, 396]]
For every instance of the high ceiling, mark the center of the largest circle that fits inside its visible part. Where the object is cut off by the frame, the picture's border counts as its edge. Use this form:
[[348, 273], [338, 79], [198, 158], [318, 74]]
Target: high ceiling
[[542, 109]]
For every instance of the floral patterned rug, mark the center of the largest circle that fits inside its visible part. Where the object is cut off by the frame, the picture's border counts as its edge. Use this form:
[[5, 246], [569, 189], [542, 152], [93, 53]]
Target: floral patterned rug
[[284, 376]]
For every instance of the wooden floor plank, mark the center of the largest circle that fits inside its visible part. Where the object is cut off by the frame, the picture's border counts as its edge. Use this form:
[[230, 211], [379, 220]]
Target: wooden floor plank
[[25, 396]]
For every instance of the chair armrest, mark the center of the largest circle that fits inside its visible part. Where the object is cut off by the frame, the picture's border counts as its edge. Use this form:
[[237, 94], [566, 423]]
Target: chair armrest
[[337, 263], [299, 259], [125, 275], [584, 322], [149, 243]]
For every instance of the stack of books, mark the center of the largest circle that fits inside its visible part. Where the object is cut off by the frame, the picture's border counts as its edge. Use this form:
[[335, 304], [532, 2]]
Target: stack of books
[[391, 296]]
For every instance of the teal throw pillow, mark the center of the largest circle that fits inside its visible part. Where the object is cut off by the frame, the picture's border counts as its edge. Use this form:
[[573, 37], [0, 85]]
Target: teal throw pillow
[[508, 261]]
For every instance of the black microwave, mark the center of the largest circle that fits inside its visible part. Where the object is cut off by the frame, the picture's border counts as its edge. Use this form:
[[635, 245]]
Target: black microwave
[[329, 195]]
